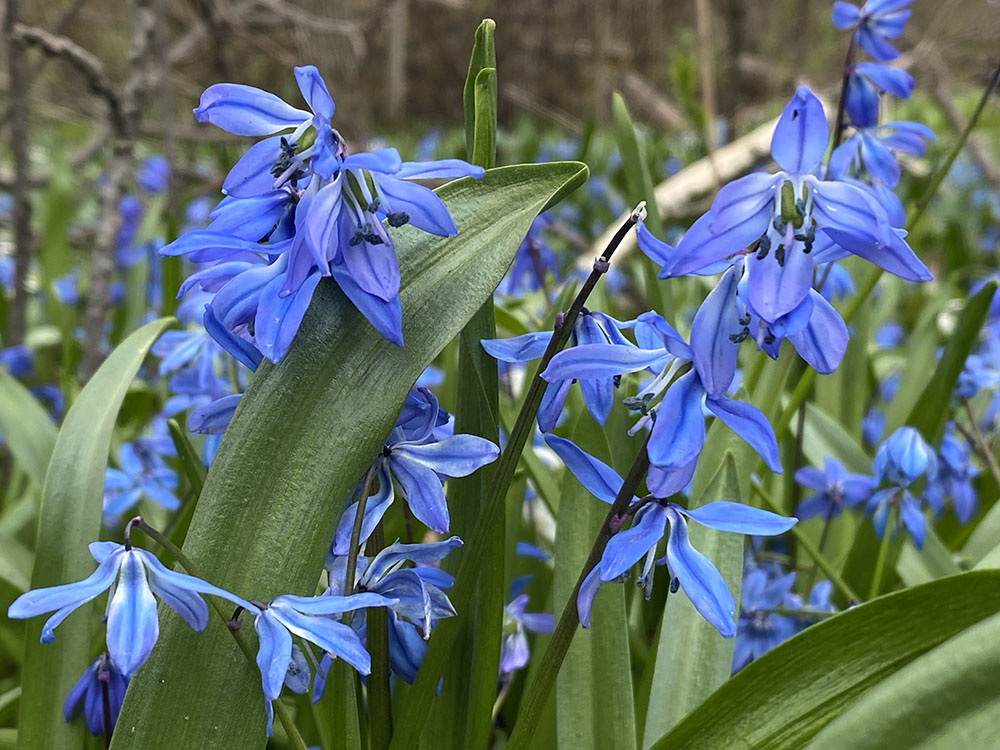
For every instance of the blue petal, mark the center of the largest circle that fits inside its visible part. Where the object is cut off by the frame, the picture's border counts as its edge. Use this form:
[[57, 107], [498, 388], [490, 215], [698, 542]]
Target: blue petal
[[210, 246], [880, 162], [133, 626], [655, 249], [627, 547], [273, 655], [164, 578], [777, 289], [395, 554], [332, 605], [314, 91], [375, 508], [599, 479], [800, 137], [455, 456], [700, 580], [386, 317], [411, 597], [585, 597], [602, 361], [663, 483], [214, 418], [750, 424], [441, 169], [373, 267], [724, 515], [679, 430], [334, 637], [895, 81], [843, 157], [702, 248], [823, 341], [251, 175], [742, 199], [913, 519], [845, 15], [425, 210], [383, 160], [241, 349], [553, 399], [522, 348], [251, 218], [423, 490], [278, 318], [716, 320], [861, 101], [246, 110]]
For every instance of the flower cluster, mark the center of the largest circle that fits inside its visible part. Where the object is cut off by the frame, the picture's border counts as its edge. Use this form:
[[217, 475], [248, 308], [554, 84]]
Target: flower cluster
[[299, 206]]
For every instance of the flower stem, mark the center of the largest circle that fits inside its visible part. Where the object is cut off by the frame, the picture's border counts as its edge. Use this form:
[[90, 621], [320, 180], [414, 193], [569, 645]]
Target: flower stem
[[476, 546], [980, 442], [807, 547], [284, 715], [838, 128], [883, 554], [530, 710], [379, 697], [352, 552]]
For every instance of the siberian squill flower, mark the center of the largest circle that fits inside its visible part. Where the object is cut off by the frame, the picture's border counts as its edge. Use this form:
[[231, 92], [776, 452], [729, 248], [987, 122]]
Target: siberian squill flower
[[311, 618], [417, 459], [901, 460], [954, 478], [133, 625], [760, 628], [833, 489], [688, 568], [865, 86], [591, 328], [677, 422], [874, 24], [533, 262], [791, 220], [514, 652], [86, 695], [873, 150], [142, 474]]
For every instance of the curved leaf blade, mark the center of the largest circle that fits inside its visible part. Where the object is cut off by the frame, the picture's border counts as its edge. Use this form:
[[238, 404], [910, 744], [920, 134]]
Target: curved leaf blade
[[26, 428]]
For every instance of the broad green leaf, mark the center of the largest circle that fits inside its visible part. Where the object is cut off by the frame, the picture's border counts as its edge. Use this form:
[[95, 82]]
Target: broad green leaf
[[593, 690], [984, 538], [304, 434], [26, 428], [462, 715], [15, 563], [785, 697], [692, 659], [931, 410], [948, 698], [823, 436], [68, 520], [931, 561]]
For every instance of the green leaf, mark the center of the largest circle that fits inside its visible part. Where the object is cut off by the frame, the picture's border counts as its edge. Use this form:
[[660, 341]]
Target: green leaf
[[15, 563], [304, 434], [785, 697], [948, 698], [931, 561], [931, 410], [26, 428], [484, 55], [984, 537], [462, 715], [593, 691], [823, 436], [69, 519]]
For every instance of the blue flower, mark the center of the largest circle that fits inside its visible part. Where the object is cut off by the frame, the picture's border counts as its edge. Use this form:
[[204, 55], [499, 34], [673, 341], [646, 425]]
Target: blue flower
[[760, 628], [875, 23], [792, 219], [833, 489], [954, 478], [311, 618], [533, 262], [514, 652], [866, 84], [65, 288], [133, 626], [592, 328], [912, 518], [689, 569], [86, 695], [142, 474], [18, 360], [414, 457], [904, 457], [872, 149], [154, 174]]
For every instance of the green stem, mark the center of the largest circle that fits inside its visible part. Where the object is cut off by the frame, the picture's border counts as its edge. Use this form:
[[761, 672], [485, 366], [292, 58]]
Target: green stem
[[421, 693], [352, 553], [284, 715], [883, 554], [379, 697], [807, 546], [530, 710]]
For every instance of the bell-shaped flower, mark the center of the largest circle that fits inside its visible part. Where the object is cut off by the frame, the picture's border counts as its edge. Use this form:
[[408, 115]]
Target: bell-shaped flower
[[416, 459], [904, 457], [833, 489], [86, 695], [911, 516], [954, 478], [689, 569], [874, 24], [783, 216], [314, 619], [133, 625], [591, 328], [514, 651], [142, 474]]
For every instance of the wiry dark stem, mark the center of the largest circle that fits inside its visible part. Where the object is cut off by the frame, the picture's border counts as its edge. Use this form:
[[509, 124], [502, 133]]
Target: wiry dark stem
[[103, 676], [838, 128]]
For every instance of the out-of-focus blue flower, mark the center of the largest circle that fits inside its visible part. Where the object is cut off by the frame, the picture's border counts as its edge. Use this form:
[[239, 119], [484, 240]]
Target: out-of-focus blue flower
[[7, 271], [872, 150], [874, 24], [86, 695], [142, 474], [889, 335], [980, 373], [17, 360], [688, 568], [954, 478], [866, 84], [533, 262], [592, 328], [153, 175], [197, 213], [133, 626], [311, 618], [872, 426], [833, 489], [65, 288], [839, 283], [760, 628], [130, 208], [514, 652], [414, 457]]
